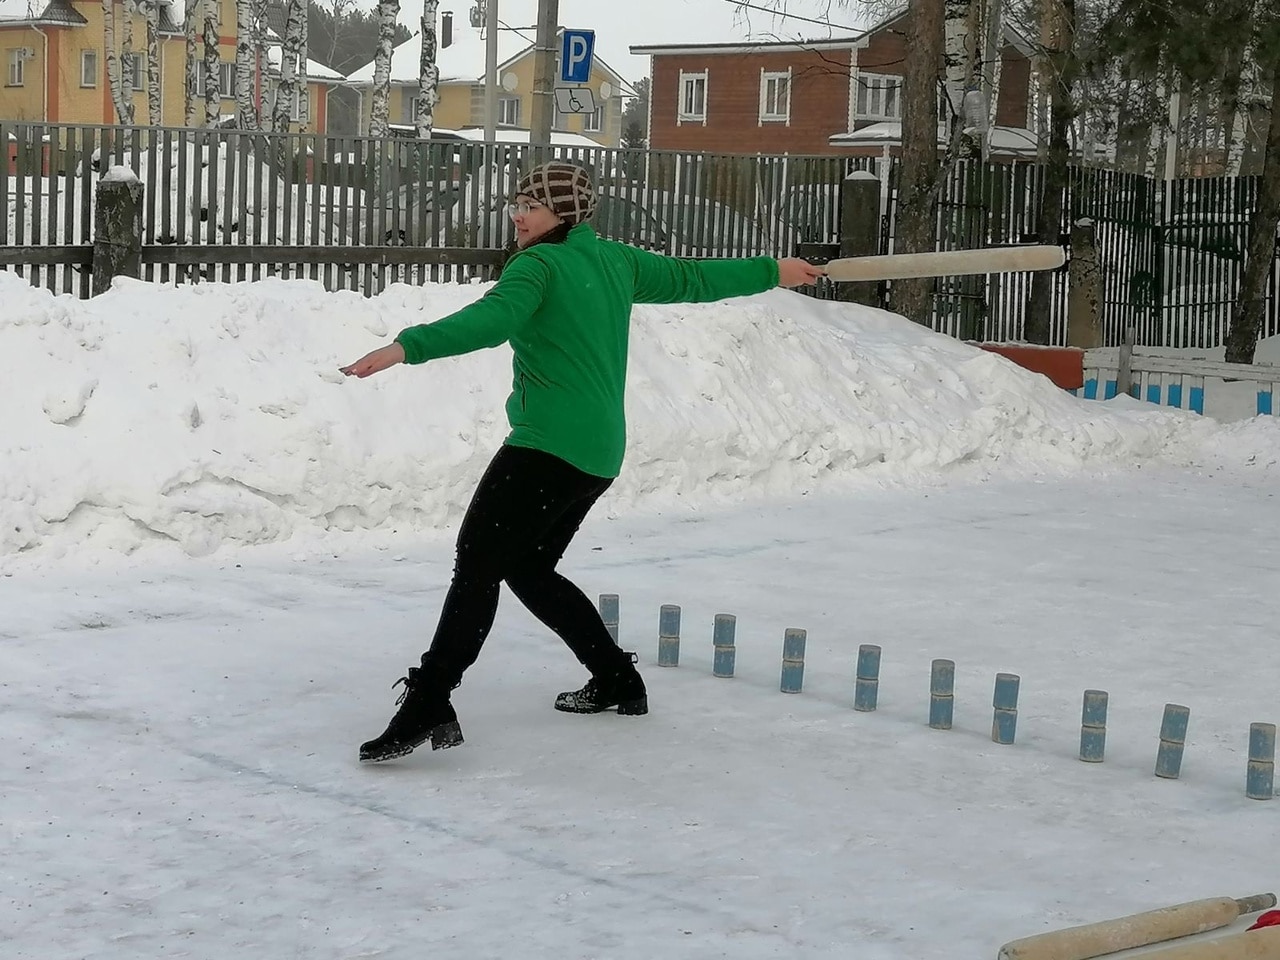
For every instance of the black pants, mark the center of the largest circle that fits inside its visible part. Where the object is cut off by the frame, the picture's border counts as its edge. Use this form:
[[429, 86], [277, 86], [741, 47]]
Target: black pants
[[525, 512]]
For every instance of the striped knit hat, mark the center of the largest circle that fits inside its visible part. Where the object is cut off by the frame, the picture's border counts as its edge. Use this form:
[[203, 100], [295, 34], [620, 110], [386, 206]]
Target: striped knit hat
[[563, 187]]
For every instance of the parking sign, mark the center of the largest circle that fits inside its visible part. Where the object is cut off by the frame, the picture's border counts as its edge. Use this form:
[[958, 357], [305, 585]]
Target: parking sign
[[576, 51]]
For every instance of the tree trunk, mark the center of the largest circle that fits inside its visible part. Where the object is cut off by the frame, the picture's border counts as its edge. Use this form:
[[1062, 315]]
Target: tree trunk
[[380, 111], [244, 65], [112, 61], [1246, 320], [959, 56], [154, 114], [1063, 66], [993, 60], [304, 93], [262, 65], [126, 57], [190, 72], [287, 87], [428, 72], [918, 172], [212, 94]]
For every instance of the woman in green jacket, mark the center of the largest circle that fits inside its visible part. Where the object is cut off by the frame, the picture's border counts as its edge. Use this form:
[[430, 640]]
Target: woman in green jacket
[[563, 302]]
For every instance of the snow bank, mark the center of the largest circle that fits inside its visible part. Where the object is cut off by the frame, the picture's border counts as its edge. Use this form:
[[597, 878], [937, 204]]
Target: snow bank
[[215, 414]]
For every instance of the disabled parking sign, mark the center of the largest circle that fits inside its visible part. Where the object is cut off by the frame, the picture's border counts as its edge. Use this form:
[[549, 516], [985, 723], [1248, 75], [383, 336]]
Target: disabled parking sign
[[576, 51]]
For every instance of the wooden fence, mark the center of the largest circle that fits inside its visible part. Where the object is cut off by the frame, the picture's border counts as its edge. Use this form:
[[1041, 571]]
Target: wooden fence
[[1170, 253]]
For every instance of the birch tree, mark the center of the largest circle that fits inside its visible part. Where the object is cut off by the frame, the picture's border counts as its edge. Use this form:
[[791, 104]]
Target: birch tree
[[304, 56], [123, 105], [128, 77], [190, 73], [154, 114], [290, 54], [428, 72], [212, 64], [960, 58], [380, 110], [262, 63], [245, 112]]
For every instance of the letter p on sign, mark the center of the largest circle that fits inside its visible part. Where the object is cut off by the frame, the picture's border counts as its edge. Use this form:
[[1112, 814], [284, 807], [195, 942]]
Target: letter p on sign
[[575, 56]]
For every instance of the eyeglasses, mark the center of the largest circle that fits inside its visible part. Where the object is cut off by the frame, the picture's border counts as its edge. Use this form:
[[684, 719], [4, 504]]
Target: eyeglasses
[[523, 208]]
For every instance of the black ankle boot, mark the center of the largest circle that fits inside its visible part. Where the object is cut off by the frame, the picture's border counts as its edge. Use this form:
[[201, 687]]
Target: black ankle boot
[[622, 688], [425, 713]]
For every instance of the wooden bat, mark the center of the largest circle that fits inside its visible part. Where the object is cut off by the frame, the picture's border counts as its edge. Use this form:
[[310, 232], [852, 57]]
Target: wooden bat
[[1140, 929], [948, 263], [1261, 944]]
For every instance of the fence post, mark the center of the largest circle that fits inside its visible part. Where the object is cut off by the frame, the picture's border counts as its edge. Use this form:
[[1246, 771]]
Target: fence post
[[117, 228], [1084, 279], [860, 231]]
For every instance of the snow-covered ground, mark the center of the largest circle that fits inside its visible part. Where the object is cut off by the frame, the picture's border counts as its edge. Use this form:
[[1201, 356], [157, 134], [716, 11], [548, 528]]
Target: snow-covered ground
[[220, 553]]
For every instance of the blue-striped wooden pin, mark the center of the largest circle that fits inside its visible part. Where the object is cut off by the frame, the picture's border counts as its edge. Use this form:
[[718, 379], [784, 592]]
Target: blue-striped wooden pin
[[1260, 782], [793, 660], [1004, 722], [1264, 401], [669, 636], [1093, 726], [1173, 738], [942, 689], [609, 613], [866, 683], [722, 637]]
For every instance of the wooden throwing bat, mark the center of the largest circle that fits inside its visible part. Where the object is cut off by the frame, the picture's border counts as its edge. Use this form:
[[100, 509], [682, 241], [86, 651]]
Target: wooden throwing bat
[[1261, 944], [947, 263], [1140, 929]]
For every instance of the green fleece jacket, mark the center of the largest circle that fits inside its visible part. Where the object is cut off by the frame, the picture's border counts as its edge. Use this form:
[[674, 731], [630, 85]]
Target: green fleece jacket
[[566, 309]]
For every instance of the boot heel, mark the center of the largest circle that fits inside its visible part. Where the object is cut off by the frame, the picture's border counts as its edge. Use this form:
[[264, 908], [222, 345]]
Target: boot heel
[[634, 708], [446, 735]]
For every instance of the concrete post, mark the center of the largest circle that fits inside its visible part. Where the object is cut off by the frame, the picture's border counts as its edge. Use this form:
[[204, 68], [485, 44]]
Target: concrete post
[[117, 228], [860, 231]]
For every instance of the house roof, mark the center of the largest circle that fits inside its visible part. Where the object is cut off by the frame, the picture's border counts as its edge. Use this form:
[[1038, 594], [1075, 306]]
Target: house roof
[[1011, 36], [463, 61], [40, 12]]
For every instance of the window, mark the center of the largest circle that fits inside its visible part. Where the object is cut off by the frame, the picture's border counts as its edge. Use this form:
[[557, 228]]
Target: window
[[88, 68], [17, 65], [879, 97], [134, 71], [693, 97], [775, 96], [509, 111], [594, 122], [226, 80]]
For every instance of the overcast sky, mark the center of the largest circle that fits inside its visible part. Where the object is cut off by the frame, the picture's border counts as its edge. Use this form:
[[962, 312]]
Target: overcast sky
[[621, 23]]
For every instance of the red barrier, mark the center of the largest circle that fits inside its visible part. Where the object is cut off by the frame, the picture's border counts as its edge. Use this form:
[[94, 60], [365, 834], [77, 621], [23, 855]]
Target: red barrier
[[1063, 365]]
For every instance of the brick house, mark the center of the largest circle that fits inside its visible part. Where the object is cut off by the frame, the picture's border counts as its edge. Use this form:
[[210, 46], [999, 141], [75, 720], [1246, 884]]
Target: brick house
[[838, 96]]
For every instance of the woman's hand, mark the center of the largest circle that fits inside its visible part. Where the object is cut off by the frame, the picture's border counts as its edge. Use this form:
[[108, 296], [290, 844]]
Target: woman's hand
[[795, 272], [372, 363]]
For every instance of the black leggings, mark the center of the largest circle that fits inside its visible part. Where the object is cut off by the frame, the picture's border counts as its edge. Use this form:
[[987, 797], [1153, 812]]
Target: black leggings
[[522, 517]]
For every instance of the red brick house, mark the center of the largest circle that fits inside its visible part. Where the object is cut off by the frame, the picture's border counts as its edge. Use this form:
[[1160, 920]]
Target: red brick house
[[839, 96]]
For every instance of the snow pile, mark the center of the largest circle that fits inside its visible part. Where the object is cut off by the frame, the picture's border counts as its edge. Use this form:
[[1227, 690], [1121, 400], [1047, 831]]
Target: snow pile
[[215, 414]]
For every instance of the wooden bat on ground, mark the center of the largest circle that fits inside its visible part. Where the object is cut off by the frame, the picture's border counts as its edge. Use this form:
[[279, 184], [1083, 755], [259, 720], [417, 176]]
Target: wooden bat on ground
[[1138, 930], [1260, 944], [947, 263]]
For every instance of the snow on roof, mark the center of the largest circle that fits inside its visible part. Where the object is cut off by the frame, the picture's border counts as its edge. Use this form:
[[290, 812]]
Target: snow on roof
[[315, 69], [1008, 140]]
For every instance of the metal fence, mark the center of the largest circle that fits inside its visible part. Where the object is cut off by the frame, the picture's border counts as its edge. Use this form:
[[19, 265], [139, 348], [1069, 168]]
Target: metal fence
[[1171, 253]]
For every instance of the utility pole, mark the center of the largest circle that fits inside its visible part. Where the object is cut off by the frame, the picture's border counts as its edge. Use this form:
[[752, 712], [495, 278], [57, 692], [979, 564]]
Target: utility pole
[[491, 71], [544, 74]]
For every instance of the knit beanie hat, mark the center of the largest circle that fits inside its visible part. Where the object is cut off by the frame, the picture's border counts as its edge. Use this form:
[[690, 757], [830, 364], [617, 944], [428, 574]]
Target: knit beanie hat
[[565, 188]]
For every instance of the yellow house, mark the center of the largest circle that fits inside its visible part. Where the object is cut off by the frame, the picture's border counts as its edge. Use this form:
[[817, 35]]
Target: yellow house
[[461, 61], [54, 59]]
